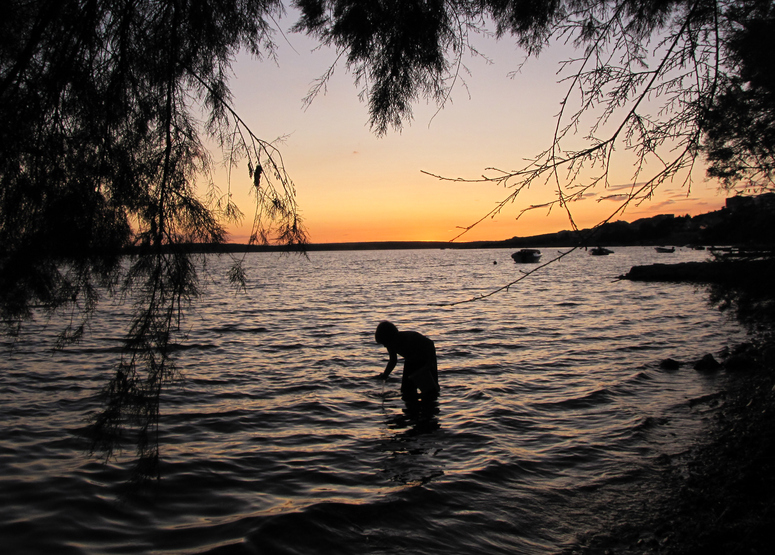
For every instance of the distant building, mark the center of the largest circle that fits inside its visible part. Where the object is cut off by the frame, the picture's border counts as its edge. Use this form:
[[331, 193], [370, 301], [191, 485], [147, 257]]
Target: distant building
[[736, 203], [739, 202]]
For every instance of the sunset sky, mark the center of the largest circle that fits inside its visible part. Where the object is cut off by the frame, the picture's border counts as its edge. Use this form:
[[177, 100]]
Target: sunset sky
[[354, 186]]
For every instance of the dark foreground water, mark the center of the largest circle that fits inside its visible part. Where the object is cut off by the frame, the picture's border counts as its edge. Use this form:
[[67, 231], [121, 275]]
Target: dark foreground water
[[278, 439]]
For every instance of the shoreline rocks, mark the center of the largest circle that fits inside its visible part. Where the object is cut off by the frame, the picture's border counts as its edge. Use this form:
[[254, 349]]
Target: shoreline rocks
[[702, 272], [707, 363], [740, 358], [670, 364], [718, 495]]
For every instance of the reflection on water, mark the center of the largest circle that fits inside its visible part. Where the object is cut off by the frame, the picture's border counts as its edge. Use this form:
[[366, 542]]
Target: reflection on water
[[413, 442], [277, 438]]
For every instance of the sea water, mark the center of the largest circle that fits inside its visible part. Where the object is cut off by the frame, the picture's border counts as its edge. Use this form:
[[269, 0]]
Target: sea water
[[279, 438]]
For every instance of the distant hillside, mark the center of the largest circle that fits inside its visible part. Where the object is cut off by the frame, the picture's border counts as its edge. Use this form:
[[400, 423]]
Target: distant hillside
[[659, 230], [745, 221]]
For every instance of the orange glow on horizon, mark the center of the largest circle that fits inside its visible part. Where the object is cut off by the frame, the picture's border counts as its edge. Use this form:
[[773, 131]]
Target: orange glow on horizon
[[339, 226]]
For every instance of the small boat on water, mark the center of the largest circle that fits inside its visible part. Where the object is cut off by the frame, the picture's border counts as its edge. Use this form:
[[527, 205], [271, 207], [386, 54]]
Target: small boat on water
[[664, 249], [600, 251], [526, 255]]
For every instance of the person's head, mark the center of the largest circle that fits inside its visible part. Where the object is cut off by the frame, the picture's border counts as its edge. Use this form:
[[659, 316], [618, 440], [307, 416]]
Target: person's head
[[385, 333]]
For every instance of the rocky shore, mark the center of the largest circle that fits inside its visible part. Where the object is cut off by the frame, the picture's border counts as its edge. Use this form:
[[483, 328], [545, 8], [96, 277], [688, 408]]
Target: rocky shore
[[718, 495], [724, 488], [731, 273]]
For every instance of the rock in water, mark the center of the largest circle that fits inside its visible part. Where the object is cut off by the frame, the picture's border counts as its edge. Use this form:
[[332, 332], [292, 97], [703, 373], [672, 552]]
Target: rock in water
[[669, 364], [706, 363]]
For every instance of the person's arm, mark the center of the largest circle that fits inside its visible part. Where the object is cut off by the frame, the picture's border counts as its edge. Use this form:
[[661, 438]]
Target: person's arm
[[390, 365]]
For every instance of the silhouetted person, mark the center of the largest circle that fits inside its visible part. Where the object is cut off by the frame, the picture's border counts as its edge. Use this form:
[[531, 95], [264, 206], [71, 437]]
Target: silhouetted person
[[419, 353]]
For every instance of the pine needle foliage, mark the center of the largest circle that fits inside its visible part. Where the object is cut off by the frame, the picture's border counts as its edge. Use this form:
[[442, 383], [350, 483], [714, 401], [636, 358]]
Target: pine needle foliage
[[106, 108]]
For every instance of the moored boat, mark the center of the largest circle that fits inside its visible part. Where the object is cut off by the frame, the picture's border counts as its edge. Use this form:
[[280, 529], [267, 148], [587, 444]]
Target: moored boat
[[526, 255], [600, 251], [664, 249]]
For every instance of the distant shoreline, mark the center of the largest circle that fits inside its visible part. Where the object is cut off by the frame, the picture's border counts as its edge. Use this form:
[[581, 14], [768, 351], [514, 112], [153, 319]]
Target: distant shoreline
[[392, 245], [353, 246], [728, 226]]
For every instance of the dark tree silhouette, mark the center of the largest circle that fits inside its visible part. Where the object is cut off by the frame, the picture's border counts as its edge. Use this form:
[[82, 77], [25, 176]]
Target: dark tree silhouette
[[105, 107], [740, 124]]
